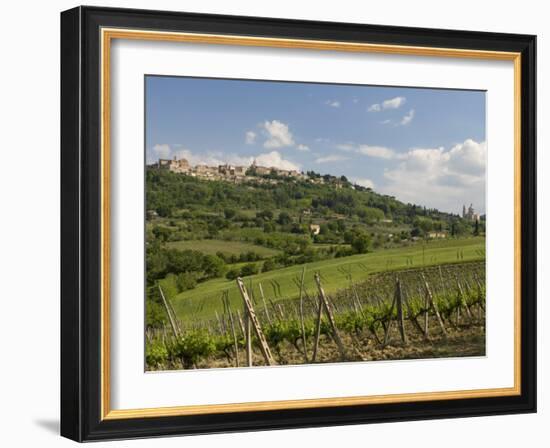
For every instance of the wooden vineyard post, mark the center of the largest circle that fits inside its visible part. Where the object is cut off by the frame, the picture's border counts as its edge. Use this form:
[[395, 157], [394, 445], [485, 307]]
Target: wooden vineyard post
[[176, 321], [233, 332], [275, 312], [388, 328], [426, 316], [325, 303], [281, 311], [479, 299], [264, 302], [317, 329], [302, 313], [433, 305], [241, 324], [357, 300], [400, 314], [247, 337], [235, 342], [462, 300], [415, 323], [219, 321], [170, 318], [251, 319], [397, 302]]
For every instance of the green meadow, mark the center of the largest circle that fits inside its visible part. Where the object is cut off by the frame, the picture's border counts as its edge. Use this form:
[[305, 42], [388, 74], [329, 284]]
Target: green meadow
[[202, 301], [214, 246]]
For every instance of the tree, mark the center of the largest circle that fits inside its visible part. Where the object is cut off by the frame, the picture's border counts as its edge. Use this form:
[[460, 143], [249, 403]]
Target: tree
[[186, 280], [421, 226], [462, 227], [213, 266], [164, 210], [360, 243], [297, 228], [249, 269], [155, 315], [229, 213], [370, 214], [268, 265], [266, 215], [232, 274], [161, 233], [269, 227], [284, 218]]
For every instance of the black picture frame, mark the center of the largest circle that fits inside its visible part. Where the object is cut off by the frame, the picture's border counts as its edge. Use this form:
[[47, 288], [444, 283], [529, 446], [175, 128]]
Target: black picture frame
[[81, 224]]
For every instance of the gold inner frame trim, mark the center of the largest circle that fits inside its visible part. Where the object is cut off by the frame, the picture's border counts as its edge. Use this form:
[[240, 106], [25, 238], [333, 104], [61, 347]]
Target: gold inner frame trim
[[107, 35]]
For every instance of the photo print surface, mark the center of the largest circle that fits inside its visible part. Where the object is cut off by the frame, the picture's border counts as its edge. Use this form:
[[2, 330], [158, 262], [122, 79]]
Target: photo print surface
[[296, 223]]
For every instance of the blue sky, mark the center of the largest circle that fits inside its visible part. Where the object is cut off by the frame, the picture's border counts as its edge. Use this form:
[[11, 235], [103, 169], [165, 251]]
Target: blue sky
[[425, 146]]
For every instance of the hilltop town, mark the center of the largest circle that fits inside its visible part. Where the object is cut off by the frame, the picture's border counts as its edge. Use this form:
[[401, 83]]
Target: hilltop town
[[241, 174]]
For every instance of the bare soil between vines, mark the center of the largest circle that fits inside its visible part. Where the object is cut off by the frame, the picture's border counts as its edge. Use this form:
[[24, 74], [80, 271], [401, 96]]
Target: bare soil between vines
[[466, 340]]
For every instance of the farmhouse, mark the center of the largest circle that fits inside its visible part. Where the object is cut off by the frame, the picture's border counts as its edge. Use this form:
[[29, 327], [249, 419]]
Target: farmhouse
[[315, 229], [437, 235]]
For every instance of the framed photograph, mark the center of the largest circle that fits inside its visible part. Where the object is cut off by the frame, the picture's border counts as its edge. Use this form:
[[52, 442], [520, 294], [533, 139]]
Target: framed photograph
[[277, 224]]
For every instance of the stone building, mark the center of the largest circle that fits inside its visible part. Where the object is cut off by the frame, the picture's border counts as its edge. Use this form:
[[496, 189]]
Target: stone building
[[230, 170], [470, 214], [174, 165], [314, 229]]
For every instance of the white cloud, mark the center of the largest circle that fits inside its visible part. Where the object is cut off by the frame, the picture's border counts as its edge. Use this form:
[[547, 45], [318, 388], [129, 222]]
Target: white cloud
[[346, 147], [162, 151], [440, 178], [177, 150], [302, 147], [278, 134], [407, 118], [468, 157], [332, 103], [367, 183], [158, 151], [210, 158], [331, 158], [380, 152], [250, 137], [385, 121], [437, 177], [274, 159], [392, 103]]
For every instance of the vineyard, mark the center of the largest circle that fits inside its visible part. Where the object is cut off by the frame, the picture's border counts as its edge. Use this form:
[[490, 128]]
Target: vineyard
[[429, 312]]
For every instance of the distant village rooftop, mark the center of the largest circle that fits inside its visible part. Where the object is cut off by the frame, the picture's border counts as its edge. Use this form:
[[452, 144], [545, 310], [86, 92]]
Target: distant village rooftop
[[226, 171]]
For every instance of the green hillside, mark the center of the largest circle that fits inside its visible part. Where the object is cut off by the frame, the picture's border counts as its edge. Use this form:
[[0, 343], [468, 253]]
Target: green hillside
[[202, 301], [202, 234]]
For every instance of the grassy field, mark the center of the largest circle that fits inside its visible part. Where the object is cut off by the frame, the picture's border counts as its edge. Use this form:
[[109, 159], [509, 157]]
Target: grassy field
[[204, 300], [227, 247]]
